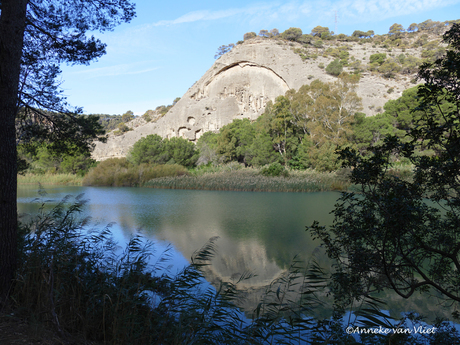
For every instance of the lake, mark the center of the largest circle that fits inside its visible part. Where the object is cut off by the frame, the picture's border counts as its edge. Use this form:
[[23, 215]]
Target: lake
[[259, 232]]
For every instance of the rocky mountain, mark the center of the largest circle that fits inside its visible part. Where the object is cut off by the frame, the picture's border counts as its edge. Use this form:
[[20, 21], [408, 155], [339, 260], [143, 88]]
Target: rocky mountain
[[242, 81]]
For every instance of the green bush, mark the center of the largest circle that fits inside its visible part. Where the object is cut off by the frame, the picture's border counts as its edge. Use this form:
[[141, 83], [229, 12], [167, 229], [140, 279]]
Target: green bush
[[292, 34], [335, 67], [275, 169], [153, 149], [378, 58]]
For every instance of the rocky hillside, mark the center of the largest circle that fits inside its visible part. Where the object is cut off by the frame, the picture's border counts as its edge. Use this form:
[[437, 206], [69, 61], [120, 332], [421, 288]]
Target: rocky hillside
[[242, 81]]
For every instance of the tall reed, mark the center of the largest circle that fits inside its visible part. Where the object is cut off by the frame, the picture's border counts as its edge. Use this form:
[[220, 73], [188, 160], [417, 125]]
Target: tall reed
[[250, 179], [50, 179], [76, 279], [118, 172]]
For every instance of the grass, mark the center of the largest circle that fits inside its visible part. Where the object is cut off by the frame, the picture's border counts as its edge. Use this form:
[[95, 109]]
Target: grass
[[50, 179], [236, 178]]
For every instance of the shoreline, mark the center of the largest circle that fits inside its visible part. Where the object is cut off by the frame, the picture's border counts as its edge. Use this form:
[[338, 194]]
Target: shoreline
[[243, 179]]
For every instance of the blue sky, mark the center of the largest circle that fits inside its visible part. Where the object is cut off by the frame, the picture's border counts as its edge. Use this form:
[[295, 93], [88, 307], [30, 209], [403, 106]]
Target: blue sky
[[171, 44]]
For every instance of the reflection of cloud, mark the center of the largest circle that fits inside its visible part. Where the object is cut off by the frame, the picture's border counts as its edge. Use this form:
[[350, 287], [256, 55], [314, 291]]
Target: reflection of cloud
[[117, 70], [349, 10]]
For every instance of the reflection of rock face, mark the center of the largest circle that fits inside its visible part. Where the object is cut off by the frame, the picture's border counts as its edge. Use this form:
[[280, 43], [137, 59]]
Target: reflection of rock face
[[233, 258]]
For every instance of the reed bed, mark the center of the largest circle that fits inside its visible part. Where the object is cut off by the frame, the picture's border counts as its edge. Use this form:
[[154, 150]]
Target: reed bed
[[250, 180], [118, 172], [51, 179]]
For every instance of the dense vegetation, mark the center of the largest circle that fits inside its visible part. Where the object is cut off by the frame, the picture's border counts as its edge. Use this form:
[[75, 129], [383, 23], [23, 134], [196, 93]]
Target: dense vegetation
[[151, 157], [300, 133], [403, 234]]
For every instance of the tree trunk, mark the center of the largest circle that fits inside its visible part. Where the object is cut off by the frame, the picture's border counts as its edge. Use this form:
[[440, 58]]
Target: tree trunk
[[12, 25]]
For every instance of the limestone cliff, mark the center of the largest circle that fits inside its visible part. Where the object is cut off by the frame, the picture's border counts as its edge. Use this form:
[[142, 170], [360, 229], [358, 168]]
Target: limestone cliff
[[241, 82]]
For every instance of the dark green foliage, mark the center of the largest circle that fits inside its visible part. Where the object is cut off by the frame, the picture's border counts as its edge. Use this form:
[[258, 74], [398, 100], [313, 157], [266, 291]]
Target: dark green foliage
[[321, 31], [235, 139], [108, 122], [77, 164], [208, 138], [334, 68], [42, 158], [62, 132], [274, 169], [261, 151], [362, 34], [181, 151], [292, 34], [282, 128], [370, 131], [403, 233], [404, 109], [207, 147], [378, 58], [153, 149], [55, 34], [299, 130], [148, 150]]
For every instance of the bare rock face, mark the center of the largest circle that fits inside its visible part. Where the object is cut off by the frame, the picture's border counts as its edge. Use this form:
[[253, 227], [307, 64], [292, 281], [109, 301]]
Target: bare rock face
[[239, 85]]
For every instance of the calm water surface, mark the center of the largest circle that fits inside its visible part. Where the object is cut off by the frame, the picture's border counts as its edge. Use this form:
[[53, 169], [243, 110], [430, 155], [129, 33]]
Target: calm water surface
[[259, 232]]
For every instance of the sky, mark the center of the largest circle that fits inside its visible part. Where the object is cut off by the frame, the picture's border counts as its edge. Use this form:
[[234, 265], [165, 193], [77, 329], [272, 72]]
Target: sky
[[161, 53]]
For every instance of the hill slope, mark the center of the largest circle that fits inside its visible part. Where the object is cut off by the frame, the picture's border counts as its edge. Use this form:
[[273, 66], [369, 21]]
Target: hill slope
[[242, 81]]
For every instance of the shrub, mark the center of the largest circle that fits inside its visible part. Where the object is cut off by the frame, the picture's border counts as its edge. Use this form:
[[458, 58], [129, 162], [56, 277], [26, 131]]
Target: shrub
[[122, 128], [274, 169], [153, 149], [292, 34], [318, 43], [334, 68], [249, 35]]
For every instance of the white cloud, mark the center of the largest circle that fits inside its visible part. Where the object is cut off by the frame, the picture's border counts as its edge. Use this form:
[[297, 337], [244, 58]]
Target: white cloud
[[350, 11], [359, 11], [116, 70], [205, 15]]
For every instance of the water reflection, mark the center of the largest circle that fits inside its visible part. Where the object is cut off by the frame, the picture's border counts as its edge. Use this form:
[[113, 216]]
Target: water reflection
[[258, 232]]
